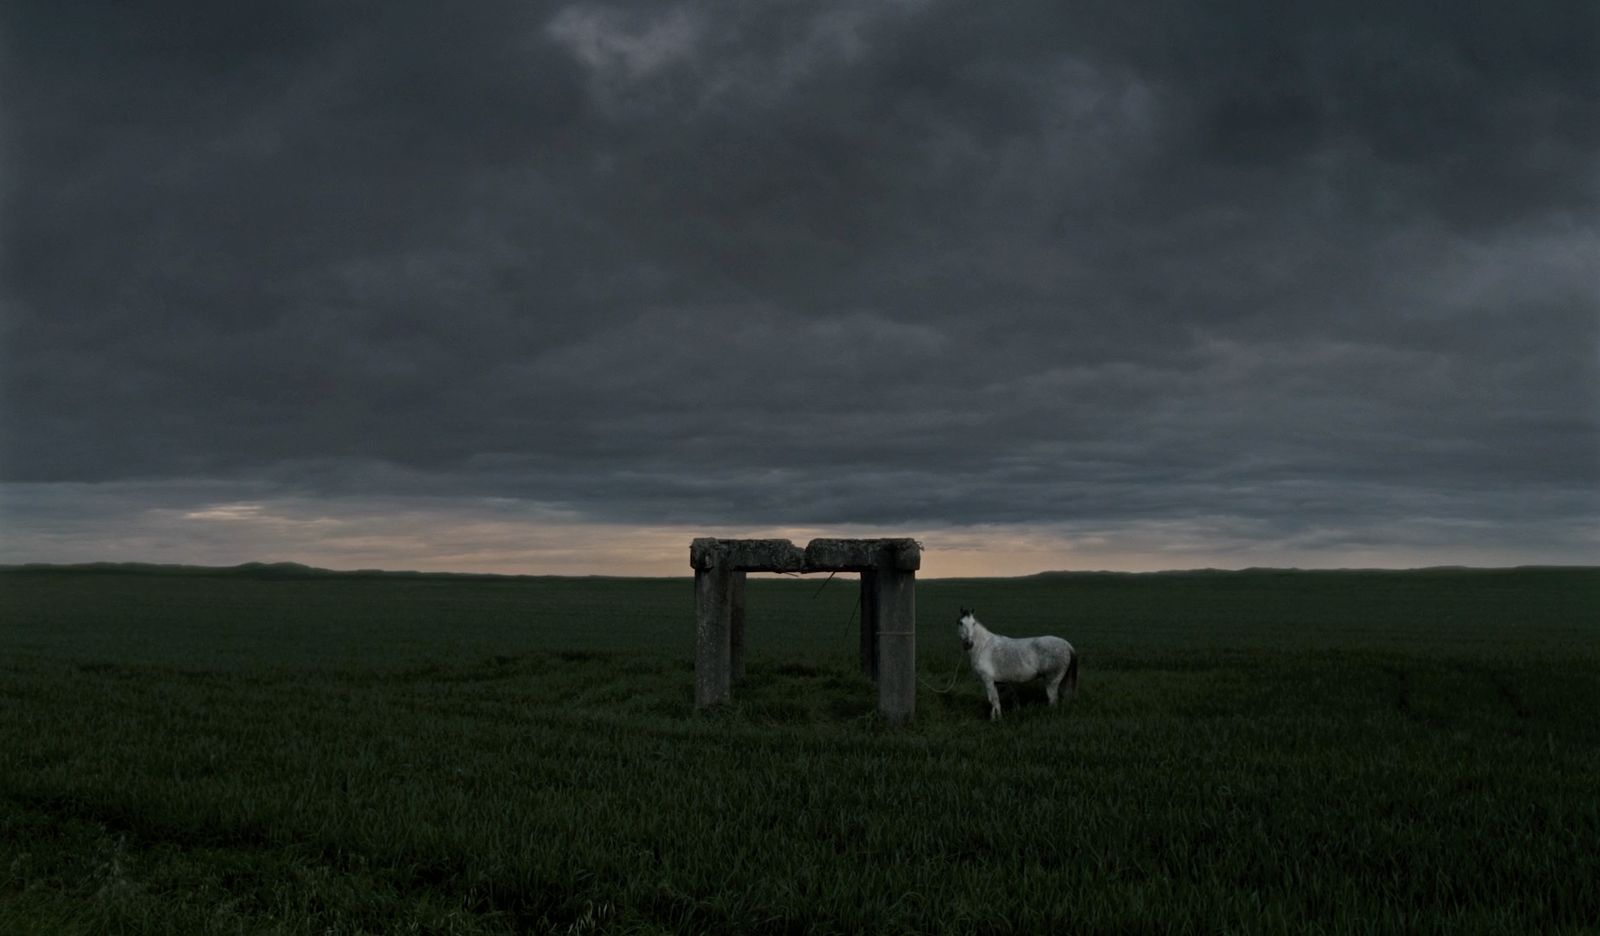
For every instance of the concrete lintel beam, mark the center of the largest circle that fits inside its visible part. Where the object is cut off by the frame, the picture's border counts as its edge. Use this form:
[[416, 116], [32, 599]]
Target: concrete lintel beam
[[857, 555], [746, 555]]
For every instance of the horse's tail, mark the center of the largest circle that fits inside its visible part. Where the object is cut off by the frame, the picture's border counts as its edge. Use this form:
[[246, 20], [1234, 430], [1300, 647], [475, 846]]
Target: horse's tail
[[1072, 672]]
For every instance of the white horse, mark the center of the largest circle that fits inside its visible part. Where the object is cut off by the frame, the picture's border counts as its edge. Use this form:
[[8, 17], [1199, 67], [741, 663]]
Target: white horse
[[1016, 660]]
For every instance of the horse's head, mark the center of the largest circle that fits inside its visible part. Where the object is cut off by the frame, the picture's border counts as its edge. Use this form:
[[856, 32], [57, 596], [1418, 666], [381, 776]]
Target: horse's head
[[966, 625]]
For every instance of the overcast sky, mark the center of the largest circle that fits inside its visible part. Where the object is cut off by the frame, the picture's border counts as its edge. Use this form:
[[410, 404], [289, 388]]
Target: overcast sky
[[532, 287]]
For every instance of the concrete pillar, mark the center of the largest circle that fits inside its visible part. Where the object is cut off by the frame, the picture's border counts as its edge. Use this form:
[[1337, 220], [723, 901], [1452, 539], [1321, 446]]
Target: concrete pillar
[[897, 644], [869, 624], [713, 607], [736, 625]]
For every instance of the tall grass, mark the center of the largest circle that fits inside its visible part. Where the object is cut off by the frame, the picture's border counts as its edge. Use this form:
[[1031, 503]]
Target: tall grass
[[1256, 751]]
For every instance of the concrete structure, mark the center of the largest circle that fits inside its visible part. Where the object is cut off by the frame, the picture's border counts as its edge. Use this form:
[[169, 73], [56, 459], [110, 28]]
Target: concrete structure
[[888, 569]]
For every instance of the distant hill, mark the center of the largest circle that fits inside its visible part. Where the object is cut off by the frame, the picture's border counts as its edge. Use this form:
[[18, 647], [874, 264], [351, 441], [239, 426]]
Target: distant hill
[[1262, 570], [248, 570]]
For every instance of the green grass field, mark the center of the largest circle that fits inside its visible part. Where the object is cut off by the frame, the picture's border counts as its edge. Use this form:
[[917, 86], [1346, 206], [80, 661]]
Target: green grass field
[[1257, 751]]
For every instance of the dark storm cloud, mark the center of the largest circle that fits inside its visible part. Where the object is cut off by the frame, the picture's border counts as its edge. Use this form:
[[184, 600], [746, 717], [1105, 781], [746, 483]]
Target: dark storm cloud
[[1311, 269]]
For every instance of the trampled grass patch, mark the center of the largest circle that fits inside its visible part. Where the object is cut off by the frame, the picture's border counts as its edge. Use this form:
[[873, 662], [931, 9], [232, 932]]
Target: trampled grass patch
[[1257, 751]]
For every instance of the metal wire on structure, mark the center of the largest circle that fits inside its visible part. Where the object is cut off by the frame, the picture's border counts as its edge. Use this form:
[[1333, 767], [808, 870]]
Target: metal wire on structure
[[954, 675]]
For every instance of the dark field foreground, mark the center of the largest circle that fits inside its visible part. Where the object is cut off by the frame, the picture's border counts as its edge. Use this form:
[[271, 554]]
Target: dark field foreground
[[1255, 751]]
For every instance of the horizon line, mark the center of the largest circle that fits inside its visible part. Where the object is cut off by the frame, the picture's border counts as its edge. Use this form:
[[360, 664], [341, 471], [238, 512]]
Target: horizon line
[[291, 569]]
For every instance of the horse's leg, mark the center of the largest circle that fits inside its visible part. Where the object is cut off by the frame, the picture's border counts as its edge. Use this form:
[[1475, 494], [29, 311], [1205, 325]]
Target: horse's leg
[[994, 698], [1052, 686]]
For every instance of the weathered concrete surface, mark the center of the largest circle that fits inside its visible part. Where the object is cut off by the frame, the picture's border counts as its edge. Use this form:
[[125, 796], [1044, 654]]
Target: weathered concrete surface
[[888, 569], [820, 555], [751, 555], [736, 626], [712, 649], [897, 645], [856, 555]]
